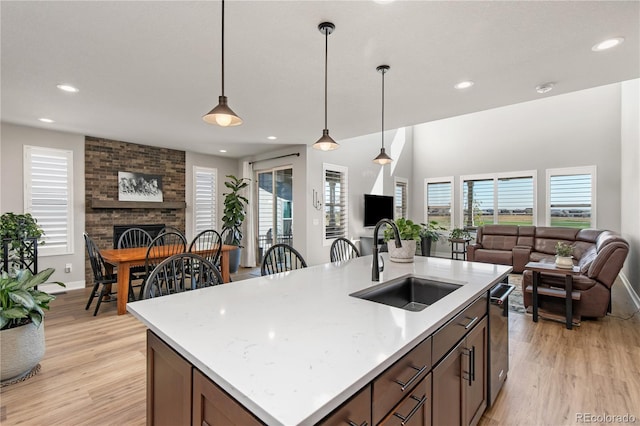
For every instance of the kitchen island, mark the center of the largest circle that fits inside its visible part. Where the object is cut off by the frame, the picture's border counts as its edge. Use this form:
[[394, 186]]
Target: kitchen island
[[292, 347]]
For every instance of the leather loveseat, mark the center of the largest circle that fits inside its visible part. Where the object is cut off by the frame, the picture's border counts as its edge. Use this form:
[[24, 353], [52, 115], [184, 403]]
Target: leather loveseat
[[600, 255]]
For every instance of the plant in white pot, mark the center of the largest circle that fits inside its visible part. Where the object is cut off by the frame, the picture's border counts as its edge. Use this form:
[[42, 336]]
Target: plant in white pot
[[564, 258], [409, 236], [21, 322], [235, 206]]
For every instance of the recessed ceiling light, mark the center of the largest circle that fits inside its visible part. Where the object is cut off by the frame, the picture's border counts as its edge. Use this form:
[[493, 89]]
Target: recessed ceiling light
[[464, 84], [544, 88], [67, 88], [46, 120], [223, 150], [607, 44], [272, 138]]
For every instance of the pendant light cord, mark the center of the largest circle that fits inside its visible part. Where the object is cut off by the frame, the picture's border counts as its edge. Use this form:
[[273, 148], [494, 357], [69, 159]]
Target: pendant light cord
[[383, 73], [222, 47], [326, 54]]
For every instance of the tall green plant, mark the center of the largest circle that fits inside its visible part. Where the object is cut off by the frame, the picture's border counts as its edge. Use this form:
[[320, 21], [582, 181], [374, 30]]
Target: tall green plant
[[234, 210], [20, 302]]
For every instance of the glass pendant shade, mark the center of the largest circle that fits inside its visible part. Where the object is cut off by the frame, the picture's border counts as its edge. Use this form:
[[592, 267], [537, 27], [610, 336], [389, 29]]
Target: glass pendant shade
[[382, 158], [222, 115], [326, 142]]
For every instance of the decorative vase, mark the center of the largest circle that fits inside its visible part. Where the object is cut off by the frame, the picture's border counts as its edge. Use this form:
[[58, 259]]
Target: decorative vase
[[402, 254], [565, 262], [22, 349]]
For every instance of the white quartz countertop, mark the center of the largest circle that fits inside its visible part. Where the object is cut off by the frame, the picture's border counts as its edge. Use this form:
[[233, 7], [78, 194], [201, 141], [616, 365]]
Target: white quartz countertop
[[292, 347]]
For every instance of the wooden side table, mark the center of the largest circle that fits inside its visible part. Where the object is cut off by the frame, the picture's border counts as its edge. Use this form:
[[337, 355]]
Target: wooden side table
[[459, 248], [568, 294]]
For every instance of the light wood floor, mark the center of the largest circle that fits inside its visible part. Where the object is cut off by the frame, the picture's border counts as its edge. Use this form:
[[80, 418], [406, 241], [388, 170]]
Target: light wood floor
[[94, 370]]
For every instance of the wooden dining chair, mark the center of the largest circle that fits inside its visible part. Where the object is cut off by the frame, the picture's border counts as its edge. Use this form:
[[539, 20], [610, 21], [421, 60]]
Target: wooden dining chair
[[161, 247], [343, 249], [181, 272], [281, 258], [135, 237], [209, 244], [103, 280]]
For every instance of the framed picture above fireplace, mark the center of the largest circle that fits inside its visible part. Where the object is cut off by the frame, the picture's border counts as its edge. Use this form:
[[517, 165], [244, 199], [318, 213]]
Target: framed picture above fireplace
[[139, 187]]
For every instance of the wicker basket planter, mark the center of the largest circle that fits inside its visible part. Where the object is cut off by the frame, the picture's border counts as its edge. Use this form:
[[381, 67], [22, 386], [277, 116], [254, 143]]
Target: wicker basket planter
[[22, 349]]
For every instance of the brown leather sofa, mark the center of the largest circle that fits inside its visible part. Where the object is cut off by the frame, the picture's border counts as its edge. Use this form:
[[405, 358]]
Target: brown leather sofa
[[600, 255]]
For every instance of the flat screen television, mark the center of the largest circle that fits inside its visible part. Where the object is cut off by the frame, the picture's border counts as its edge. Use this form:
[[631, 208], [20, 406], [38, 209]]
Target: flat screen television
[[377, 207]]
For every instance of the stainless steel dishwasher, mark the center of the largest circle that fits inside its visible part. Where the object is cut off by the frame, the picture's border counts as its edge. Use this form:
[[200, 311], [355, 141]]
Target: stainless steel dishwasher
[[498, 358]]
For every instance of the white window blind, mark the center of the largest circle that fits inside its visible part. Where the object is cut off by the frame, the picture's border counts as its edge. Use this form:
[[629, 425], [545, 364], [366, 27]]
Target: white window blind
[[335, 202], [438, 206], [515, 201], [204, 199], [400, 198], [477, 202], [571, 197], [48, 196]]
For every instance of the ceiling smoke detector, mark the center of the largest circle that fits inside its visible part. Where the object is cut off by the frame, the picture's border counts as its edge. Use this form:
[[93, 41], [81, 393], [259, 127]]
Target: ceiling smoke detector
[[544, 88]]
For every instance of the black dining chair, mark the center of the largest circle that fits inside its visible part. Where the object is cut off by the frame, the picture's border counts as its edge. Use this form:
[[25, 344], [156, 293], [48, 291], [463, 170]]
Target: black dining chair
[[135, 237], [343, 249], [181, 272], [208, 244], [169, 228], [103, 281], [281, 258], [161, 247]]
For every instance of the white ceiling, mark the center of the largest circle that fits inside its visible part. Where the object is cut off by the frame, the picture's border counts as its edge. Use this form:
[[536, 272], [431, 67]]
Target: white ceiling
[[147, 71]]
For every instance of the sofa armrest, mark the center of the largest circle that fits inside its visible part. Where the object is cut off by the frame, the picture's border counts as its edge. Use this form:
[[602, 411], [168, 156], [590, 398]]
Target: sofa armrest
[[471, 251], [608, 262], [520, 258]]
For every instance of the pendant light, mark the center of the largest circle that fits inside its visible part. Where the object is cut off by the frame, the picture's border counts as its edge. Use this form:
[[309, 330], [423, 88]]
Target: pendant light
[[222, 115], [326, 143], [382, 158]]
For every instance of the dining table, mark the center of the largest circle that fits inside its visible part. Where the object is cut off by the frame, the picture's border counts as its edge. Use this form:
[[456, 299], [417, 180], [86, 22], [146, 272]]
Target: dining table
[[125, 258]]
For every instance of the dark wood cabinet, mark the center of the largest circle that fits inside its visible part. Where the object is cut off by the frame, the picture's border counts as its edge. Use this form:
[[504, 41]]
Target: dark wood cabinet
[[459, 380], [414, 409], [213, 406], [168, 385], [356, 411]]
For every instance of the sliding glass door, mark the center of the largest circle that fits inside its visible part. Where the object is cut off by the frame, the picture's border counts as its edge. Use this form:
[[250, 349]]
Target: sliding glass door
[[274, 208]]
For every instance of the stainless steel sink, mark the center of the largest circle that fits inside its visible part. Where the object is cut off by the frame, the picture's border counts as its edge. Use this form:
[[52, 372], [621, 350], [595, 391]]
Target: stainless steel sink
[[408, 292]]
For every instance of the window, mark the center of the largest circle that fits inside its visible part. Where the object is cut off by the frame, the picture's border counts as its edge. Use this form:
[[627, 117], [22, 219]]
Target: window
[[400, 197], [48, 196], [438, 196], [571, 197], [204, 199], [503, 198], [335, 202]]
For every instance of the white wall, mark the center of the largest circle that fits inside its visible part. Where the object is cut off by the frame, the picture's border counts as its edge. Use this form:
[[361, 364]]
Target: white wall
[[14, 137], [576, 129], [224, 167], [630, 176], [364, 177]]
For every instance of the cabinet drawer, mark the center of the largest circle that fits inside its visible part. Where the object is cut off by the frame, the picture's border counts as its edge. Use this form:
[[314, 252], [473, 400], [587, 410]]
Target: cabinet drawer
[[414, 409], [399, 379], [356, 411], [449, 334]]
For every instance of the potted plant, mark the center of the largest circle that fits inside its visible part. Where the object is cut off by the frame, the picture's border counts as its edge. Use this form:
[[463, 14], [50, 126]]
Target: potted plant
[[17, 230], [429, 233], [21, 322], [459, 234], [564, 258], [409, 235], [234, 214]]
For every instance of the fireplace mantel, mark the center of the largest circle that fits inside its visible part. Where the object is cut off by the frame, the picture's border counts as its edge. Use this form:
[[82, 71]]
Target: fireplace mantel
[[106, 204]]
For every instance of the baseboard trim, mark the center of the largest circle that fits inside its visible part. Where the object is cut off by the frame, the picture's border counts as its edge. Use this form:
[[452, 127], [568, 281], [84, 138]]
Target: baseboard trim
[[632, 293], [54, 288]]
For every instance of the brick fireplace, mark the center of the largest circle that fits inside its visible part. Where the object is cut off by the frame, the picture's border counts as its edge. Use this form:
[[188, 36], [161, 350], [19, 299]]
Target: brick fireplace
[[104, 158]]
